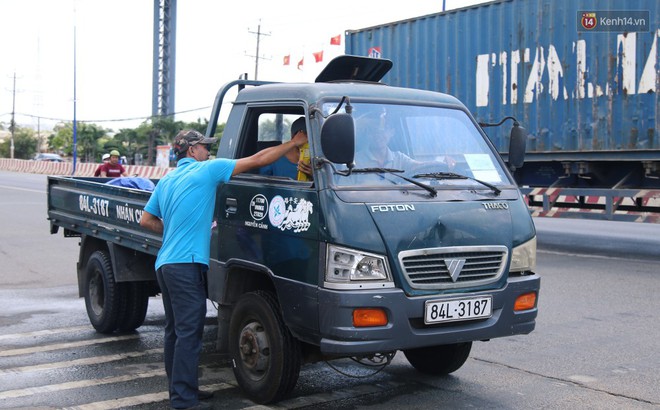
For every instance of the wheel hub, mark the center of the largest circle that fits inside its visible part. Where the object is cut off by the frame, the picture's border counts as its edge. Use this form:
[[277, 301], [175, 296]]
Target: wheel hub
[[96, 294], [254, 347]]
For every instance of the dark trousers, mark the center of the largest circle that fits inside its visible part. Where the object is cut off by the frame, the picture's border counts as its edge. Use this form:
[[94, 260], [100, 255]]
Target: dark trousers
[[183, 286]]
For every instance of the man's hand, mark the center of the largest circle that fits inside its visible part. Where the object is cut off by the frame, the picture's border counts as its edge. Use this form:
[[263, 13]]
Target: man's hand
[[300, 138], [305, 167]]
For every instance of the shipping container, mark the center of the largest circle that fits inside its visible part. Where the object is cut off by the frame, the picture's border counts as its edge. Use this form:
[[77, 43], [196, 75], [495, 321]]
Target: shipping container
[[581, 76]]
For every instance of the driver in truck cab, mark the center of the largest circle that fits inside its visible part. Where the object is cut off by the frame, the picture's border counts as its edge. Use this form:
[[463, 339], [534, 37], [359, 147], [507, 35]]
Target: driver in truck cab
[[181, 208]]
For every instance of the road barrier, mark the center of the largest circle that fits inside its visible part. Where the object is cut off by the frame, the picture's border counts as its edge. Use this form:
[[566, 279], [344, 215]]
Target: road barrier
[[84, 169]]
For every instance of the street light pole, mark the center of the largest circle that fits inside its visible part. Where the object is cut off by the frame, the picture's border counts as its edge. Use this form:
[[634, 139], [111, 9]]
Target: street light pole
[[12, 125], [75, 123]]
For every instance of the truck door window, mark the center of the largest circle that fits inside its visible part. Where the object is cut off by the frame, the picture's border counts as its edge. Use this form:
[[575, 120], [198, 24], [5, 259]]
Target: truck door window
[[275, 129]]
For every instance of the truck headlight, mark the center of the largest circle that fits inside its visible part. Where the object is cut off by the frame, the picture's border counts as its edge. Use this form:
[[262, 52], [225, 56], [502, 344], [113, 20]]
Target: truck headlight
[[352, 267], [523, 257]]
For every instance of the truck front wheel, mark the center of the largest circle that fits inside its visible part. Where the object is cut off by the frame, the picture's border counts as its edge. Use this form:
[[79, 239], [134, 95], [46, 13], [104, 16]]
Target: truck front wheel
[[266, 357], [439, 360], [104, 299]]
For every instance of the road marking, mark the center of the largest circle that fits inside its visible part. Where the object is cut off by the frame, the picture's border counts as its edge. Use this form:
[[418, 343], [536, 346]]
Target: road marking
[[60, 346], [141, 399], [50, 388], [44, 332], [23, 189], [79, 362]]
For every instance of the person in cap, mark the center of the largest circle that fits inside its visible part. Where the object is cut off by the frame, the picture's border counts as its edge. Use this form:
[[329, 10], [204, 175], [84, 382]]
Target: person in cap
[[181, 208], [290, 164], [112, 168], [104, 159]]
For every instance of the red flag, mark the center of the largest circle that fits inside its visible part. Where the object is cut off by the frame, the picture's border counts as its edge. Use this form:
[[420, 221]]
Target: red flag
[[287, 59], [336, 40], [318, 56], [300, 63]]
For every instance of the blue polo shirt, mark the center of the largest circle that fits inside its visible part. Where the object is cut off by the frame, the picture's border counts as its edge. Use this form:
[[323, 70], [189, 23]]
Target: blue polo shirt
[[185, 200]]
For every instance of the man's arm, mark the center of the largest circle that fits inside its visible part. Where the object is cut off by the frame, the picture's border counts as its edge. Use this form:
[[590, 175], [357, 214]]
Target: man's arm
[[151, 222], [268, 155]]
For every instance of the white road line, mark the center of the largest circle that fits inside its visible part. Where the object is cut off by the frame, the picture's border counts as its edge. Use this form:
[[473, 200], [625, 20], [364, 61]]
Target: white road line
[[141, 399], [79, 362], [23, 189], [60, 346], [50, 388], [44, 332]]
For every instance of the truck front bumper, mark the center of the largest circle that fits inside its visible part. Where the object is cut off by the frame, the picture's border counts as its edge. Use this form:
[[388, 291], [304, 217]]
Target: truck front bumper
[[406, 329]]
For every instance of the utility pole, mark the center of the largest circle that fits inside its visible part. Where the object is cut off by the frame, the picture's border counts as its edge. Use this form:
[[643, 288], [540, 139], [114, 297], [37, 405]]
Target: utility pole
[[12, 125], [256, 56]]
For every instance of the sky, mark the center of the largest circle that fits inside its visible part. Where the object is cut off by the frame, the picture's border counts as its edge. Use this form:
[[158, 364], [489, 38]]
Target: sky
[[216, 41]]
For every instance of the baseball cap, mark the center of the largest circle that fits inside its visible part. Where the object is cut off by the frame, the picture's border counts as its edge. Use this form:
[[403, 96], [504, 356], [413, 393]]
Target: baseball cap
[[187, 138], [114, 153], [105, 156], [298, 125]]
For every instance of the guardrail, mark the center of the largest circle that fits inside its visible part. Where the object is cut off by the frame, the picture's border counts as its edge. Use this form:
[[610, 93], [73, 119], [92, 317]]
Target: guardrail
[[628, 205], [84, 169]]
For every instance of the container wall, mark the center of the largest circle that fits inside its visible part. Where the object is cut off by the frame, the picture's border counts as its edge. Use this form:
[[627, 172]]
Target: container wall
[[572, 90]]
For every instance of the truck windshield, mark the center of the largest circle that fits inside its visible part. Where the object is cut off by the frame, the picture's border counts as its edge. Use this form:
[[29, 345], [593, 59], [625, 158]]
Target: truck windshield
[[419, 142]]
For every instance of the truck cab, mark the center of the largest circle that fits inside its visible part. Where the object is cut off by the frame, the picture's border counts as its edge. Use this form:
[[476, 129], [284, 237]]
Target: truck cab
[[412, 234]]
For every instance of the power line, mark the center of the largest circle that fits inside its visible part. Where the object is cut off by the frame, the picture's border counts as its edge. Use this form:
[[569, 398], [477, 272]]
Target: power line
[[112, 120]]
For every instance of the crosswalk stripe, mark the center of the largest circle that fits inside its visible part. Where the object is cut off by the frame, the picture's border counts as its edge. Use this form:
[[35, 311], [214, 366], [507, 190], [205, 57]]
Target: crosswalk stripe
[[79, 362], [60, 346], [10, 394], [141, 399], [45, 332]]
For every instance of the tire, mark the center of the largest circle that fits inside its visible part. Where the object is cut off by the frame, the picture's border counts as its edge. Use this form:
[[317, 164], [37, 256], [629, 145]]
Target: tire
[[439, 360], [104, 298], [137, 302], [265, 356]]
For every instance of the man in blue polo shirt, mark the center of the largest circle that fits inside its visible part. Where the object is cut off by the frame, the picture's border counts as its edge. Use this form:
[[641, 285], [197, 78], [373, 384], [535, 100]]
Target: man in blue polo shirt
[[181, 208]]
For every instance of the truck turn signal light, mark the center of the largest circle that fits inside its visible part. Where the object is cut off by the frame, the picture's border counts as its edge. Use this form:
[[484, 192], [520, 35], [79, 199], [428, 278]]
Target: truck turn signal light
[[369, 317], [525, 301]]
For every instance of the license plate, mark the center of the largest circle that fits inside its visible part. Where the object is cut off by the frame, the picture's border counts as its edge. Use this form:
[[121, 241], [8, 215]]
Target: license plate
[[439, 311]]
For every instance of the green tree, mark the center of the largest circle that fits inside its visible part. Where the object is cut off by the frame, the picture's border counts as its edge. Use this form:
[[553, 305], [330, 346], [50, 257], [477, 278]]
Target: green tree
[[61, 141], [89, 138], [25, 144]]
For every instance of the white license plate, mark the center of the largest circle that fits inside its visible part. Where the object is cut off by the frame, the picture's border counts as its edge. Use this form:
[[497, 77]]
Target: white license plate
[[439, 311]]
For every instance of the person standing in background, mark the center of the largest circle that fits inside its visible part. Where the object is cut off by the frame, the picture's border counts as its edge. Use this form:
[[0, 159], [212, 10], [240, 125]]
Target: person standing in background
[[113, 169], [104, 160]]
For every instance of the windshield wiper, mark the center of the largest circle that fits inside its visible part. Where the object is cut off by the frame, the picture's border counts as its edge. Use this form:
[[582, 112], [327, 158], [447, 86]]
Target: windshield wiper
[[452, 175], [395, 172]]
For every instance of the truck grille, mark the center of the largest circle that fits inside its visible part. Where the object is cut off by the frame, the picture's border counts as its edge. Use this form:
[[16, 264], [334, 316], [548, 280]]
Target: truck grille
[[453, 267]]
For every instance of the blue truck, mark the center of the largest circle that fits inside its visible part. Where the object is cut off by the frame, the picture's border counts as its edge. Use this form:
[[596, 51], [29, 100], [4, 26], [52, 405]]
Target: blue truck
[[581, 75], [424, 255]]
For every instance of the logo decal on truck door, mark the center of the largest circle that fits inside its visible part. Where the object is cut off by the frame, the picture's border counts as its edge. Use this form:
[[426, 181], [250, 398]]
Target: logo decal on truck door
[[290, 213]]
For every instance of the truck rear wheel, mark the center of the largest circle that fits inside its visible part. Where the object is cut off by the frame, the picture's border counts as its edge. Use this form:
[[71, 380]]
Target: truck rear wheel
[[439, 360], [104, 298], [266, 357], [137, 302]]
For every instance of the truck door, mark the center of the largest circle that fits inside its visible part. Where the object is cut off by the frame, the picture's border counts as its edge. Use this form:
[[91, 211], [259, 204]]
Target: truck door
[[270, 223]]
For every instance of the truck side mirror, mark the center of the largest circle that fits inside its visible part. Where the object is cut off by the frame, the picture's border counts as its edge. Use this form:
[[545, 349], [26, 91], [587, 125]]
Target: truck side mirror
[[517, 146], [338, 139]]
